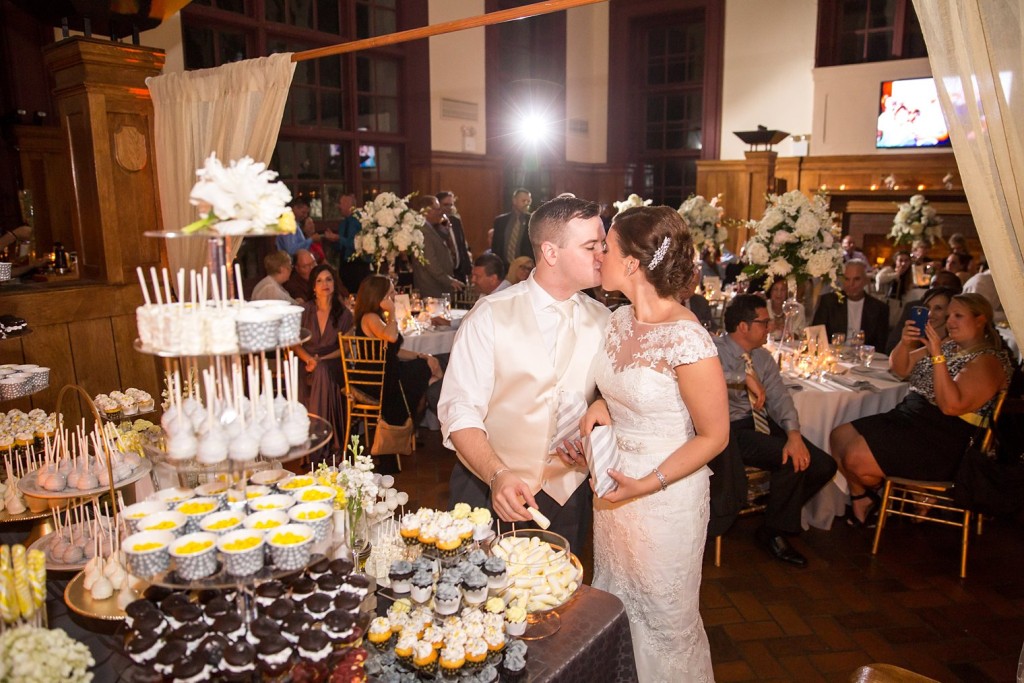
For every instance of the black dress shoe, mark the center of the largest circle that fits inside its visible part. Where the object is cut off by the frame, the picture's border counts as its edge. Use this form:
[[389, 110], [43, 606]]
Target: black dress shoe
[[778, 547]]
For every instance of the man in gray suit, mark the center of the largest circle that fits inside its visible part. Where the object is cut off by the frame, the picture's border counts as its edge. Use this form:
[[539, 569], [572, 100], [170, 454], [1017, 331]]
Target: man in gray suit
[[436, 276]]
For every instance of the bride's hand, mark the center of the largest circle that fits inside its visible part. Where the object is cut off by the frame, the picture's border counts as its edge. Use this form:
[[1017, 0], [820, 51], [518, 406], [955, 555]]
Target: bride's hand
[[627, 489], [597, 414]]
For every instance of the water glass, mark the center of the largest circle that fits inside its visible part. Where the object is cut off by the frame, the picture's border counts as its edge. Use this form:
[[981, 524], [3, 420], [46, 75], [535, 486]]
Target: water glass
[[866, 353], [857, 338], [837, 340]]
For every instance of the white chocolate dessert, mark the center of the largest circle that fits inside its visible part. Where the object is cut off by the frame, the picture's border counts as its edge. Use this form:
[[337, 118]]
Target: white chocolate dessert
[[540, 576]]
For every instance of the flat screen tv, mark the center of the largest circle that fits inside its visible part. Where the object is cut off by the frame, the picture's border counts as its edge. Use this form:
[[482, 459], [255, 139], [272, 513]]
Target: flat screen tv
[[367, 156], [909, 115]]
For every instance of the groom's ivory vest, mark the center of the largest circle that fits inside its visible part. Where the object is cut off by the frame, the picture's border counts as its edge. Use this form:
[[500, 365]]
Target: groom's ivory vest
[[520, 418]]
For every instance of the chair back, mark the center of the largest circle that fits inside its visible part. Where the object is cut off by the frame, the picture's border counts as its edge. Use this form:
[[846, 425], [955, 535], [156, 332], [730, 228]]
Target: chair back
[[986, 442], [465, 299], [362, 365]]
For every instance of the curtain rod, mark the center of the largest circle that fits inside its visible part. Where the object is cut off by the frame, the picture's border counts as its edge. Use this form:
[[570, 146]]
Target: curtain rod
[[536, 9]]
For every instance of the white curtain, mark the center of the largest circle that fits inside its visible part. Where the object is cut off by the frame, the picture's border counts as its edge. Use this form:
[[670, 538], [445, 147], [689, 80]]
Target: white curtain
[[976, 51], [234, 110]]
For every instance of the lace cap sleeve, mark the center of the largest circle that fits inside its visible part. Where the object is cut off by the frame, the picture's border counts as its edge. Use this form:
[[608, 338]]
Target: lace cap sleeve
[[693, 343]]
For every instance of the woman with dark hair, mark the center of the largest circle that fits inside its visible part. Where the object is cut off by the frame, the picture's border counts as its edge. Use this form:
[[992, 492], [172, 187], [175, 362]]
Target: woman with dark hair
[[374, 316], [953, 389], [321, 383], [663, 392]]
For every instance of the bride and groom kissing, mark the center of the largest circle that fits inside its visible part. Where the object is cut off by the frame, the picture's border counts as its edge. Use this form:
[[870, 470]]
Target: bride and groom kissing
[[521, 355]]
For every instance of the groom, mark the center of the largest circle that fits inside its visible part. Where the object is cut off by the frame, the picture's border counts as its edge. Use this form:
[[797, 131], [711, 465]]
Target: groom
[[519, 355]]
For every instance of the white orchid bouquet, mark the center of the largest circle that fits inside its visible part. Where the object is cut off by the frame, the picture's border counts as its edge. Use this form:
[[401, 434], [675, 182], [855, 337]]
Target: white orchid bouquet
[[795, 240], [915, 220], [631, 201], [240, 198], [389, 228], [29, 653], [704, 218]]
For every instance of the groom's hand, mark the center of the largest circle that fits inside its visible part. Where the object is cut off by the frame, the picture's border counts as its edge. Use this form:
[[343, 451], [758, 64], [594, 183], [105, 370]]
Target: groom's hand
[[571, 453], [509, 497]]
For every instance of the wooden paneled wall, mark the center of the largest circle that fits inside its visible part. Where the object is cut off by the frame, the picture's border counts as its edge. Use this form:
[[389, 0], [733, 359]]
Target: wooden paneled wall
[[84, 334]]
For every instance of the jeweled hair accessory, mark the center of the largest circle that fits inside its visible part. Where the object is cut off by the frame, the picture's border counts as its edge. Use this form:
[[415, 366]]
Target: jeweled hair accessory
[[660, 253]]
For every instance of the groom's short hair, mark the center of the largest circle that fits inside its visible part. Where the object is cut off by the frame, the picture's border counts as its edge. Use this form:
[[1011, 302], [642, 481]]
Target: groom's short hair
[[547, 223]]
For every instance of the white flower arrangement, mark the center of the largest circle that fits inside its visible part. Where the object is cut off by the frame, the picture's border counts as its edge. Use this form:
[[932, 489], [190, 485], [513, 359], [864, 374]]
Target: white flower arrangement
[[915, 220], [389, 228], [29, 653], [794, 240], [630, 202], [704, 219], [240, 198]]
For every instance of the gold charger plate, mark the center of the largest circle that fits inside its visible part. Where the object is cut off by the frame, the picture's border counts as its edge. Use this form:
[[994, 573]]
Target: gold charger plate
[[80, 601], [27, 515]]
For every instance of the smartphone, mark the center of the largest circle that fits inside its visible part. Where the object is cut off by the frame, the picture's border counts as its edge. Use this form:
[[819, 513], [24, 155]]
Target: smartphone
[[919, 314]]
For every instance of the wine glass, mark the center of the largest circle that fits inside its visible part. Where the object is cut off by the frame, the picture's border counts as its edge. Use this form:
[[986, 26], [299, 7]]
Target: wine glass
[[865, 354]]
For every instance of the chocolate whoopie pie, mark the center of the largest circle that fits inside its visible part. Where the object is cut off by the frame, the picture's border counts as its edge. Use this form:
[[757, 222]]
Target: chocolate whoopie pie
[[212, 648], [280, 608], [320, 567], [229, 626], [348, 602], [143, 648], [191, 634], [339, 625], [314, 645], [191, 670], [263, 627], [172, 651], [218, 607], [239, 662], [341, 567], [206, 595], [267, 592], [317, 605], [274, 654], [156, 594], [295, 625], [136, 609], [330, 584], [150, 622], [184, 614], [357, 584], [303, 587]]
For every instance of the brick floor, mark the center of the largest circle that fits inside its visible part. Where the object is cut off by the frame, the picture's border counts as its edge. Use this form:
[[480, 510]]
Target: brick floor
[[906, 606]]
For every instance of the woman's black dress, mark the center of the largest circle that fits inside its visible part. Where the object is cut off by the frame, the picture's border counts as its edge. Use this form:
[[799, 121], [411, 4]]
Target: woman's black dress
[[414, 376]]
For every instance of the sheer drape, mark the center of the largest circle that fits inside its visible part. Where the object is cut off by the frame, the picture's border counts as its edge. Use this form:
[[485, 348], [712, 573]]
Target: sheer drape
[[234, 110], [976, 53]]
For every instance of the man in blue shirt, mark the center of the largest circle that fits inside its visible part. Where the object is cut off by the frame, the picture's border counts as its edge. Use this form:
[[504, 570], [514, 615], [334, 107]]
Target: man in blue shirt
[[297, 240], [769, 440], [341, 245]]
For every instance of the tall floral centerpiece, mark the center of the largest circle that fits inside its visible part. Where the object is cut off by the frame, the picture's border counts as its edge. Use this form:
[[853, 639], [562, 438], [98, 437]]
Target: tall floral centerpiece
[[915, 220], [794, 240], [389, 229], [704, 218], [630, 202], [242, 197]]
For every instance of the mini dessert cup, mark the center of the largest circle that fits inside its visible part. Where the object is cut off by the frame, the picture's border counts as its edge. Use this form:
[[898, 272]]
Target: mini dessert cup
[[222, 522], [266, 520], [290, 546], [243, 551], [317, 516], [147, 553], [164, 520], [133, 514], [40, 377], [173, 496], [275, 501], [316, 494], [291, 319], [295, 483], [269, 477], [257, 330], [215, 489], [195, 555], [195, 509], [257, 491]]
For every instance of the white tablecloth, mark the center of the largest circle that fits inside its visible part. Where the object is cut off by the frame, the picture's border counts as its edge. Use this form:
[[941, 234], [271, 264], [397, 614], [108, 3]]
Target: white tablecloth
[[822, 408], [436, 340]]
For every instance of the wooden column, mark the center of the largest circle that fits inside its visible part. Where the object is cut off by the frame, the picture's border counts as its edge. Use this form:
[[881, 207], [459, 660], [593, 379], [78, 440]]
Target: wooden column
[[107, 116]]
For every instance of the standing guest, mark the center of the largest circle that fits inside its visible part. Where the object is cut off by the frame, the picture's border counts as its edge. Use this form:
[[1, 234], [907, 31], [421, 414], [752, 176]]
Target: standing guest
[[436, 276], [710, 262], [510, 237], [464, 262], [765, 427], [893, 282], [850, 251], [297, 284], [278, 265], [982, 283], [919, 253], [777, 296], [958, 245], [487, 274], [519, 270], [953, 389], [305, 229], [341, 245], [321, 383], [856, 311], [514, 352], [663, 393]]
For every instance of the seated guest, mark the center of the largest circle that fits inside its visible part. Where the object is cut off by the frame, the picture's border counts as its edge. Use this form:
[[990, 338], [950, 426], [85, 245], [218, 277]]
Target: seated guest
[[487, 274], [893, 282], [769, 439], [436, 275], [856, 310], [942, 279], [710, 262], [697, 304], [519, 270], [937, 301], [297, 284], [982, 283], [776, 298], [374, 316], [322, 381], [278, 265], [953, 387], [960, 263]]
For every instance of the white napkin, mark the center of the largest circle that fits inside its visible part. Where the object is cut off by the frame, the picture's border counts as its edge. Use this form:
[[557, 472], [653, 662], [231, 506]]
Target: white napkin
[[403, 307], [602, 453], [572, 405]]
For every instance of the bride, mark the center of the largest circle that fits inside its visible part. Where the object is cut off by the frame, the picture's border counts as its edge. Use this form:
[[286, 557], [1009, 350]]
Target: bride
[[664, 395]]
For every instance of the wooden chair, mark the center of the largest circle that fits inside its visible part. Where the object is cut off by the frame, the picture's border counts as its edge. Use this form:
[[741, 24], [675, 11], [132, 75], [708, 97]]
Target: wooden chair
[[362, 364], [932, 501]]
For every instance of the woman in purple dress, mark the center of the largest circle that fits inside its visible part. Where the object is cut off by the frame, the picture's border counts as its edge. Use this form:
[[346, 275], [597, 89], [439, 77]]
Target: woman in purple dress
[[322, 383]]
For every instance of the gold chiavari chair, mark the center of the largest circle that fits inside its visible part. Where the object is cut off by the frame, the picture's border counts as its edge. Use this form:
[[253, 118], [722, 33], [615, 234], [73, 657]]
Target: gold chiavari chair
[[362, 363]]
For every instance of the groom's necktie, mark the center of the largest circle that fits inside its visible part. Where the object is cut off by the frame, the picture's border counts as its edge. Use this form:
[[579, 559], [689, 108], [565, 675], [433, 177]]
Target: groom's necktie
[[566, 337], [760, 417]]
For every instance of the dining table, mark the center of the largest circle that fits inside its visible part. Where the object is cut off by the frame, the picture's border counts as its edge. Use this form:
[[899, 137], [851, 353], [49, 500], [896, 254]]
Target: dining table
[[433, 339]]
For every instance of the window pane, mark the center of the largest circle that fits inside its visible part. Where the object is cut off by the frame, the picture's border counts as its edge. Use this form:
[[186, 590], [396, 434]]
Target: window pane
[[879, 46], [882, 13], [656, 74], [301, 13], [387, 114], [655, 109], [363, 75], [330, 108], [327, 16], [334, 161], [384, 22], [362, 21], [388, 163], [307, 160], [654, 139], [199, 47], [656, 44], [330, 72], [232, 5], [385, 77], [676, 71], [273, 10], [232, 47], [303, 102]]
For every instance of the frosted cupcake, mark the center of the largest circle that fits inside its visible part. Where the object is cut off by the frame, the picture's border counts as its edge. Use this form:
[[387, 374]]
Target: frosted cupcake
[[446, 599], [410, 529], [515, 621], [380, 633], [424, 658]]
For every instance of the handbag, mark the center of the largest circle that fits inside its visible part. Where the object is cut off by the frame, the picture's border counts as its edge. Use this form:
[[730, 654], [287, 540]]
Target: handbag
[[397, 439], [989, 484]]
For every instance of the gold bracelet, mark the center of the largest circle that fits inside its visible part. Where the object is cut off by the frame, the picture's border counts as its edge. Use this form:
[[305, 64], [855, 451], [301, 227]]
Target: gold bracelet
[[938, 360]]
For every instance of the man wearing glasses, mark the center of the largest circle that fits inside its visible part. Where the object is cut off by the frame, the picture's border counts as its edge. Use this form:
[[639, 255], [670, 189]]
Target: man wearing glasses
[[765, 427]]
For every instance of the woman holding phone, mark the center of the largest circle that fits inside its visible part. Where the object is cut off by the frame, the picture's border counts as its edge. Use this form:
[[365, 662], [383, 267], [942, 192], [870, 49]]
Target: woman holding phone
[[953, 389]]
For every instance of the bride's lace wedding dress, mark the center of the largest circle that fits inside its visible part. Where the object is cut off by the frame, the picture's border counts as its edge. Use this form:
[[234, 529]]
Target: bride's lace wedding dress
[[648, 550]]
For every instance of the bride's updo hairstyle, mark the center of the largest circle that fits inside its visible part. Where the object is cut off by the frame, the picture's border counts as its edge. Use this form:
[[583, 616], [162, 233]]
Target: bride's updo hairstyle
[[658, 238]]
